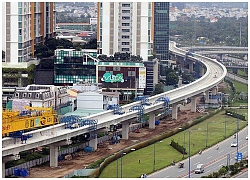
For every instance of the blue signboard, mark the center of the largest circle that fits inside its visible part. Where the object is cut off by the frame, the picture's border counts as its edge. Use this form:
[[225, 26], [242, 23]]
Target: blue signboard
[[239, 157]]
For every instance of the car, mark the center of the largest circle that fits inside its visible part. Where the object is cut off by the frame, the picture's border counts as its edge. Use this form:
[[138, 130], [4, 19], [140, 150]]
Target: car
[[234, 144], [247, 137]]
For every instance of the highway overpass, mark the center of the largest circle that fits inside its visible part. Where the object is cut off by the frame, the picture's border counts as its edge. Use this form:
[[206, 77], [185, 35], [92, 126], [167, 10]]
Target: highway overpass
[[231, 48], [57, 135]]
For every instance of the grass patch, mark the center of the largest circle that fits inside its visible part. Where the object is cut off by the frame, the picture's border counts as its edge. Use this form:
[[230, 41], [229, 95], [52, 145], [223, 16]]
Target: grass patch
[[165, 154], [240, 87]]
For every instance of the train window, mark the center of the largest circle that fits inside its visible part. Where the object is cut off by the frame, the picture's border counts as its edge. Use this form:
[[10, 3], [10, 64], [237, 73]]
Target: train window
[[37, 95], [24, 95]]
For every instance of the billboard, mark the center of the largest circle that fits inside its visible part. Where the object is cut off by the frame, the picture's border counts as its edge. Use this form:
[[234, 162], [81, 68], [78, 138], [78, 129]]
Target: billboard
[[142, 77]]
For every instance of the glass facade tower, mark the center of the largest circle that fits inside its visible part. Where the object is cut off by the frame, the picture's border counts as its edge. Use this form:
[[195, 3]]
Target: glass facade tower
[[161, 30]]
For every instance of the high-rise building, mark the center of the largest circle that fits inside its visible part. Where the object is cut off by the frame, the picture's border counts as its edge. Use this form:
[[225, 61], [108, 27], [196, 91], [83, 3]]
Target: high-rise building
[[139, 28], [125, 27], [161, 30], [25, 25]]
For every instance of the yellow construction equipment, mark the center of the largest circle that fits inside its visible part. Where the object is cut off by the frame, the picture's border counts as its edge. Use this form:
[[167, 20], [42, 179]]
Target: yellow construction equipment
[[34, 117]]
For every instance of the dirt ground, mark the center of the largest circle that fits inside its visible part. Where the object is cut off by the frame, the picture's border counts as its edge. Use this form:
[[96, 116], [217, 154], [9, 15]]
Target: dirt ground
[[83, 159]]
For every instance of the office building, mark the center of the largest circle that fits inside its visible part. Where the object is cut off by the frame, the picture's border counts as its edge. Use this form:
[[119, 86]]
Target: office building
[[161, 30], [26, 25]]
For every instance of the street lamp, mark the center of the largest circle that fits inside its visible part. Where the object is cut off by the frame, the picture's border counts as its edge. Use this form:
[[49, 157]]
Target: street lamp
[[121, 161], [154, 158], [184, 145], [189, 154], [117, 167], [207, 133], [237, 136], [154, 161]]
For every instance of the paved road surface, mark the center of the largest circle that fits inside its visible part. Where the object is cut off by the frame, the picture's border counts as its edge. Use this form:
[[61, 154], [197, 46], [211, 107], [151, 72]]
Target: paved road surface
[[211, 158], [242, 175]]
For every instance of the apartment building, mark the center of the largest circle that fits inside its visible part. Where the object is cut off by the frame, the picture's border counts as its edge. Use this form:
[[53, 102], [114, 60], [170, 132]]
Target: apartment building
[[125, 27], [26, 24], [138, 28]]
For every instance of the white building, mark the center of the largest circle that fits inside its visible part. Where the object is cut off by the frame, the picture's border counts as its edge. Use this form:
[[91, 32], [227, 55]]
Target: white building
[[125, 27], [41, 96], [86, 96], [25, 24]]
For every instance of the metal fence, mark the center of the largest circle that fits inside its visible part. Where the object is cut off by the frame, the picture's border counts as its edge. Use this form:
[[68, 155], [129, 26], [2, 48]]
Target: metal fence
[[30, 164]]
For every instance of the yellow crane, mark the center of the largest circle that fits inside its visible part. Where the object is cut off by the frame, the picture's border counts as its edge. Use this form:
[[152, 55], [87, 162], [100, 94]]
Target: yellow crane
[[34, 117]]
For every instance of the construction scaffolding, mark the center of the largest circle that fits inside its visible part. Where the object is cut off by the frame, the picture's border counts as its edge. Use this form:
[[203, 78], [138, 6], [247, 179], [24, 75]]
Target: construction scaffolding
[[166, 102], [140, 113]]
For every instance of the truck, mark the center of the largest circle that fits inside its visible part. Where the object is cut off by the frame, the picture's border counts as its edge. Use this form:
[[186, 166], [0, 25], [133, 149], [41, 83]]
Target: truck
[[199, 168]]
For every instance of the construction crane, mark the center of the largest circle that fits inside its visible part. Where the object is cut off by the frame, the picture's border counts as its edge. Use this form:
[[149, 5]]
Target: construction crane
[[32, 117]]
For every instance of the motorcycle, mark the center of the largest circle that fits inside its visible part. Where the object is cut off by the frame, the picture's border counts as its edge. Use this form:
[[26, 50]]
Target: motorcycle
[[181, 165]]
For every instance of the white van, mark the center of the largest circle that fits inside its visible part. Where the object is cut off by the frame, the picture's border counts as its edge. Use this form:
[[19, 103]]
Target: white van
[[199, 169]]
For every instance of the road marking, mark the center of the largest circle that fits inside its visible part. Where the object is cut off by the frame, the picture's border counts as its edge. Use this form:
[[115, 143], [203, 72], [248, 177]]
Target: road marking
[[244, 152], [221, 165], [196, 163], [208, 170], [209, 157], [182, 170], [221, 151], [166, 176]]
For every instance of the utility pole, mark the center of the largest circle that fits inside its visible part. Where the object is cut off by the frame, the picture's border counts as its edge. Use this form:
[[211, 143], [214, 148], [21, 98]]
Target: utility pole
[[240, 34]]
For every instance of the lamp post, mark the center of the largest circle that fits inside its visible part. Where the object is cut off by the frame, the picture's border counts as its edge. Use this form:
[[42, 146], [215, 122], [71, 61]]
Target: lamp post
[[154, 158], [184, 145], [154, 161], [121, 162], [189, 154], [207, 133], [237, 136], [225, 128], [117, 167]]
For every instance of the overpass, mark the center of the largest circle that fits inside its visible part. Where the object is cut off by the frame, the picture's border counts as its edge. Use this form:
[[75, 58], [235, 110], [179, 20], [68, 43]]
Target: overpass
[[57, 135], [216, 48], [222, 52]]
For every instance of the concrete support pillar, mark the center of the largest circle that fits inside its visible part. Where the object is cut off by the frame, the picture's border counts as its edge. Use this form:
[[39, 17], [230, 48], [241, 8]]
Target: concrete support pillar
[[151, 120], [53, 158], [3, 169], [174, 111], [54, 152], [5, 160], [214, 90], [180, 82], [191, 66], [125, 130], [193, 104], [207, 97], [202, 70], [93, 143]]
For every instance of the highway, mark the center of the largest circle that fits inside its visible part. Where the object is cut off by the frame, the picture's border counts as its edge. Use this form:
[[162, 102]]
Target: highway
[[237, 78], [212, 159], [216, 47], [56, 133]]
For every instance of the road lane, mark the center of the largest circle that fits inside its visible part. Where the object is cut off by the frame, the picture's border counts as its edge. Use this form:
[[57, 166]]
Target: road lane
[[225, 148]]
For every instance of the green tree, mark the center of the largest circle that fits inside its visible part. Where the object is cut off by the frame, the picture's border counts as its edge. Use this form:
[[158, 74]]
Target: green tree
[[187, 77], [158, 89], [222, 171], [172, 78], [51, 43]]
